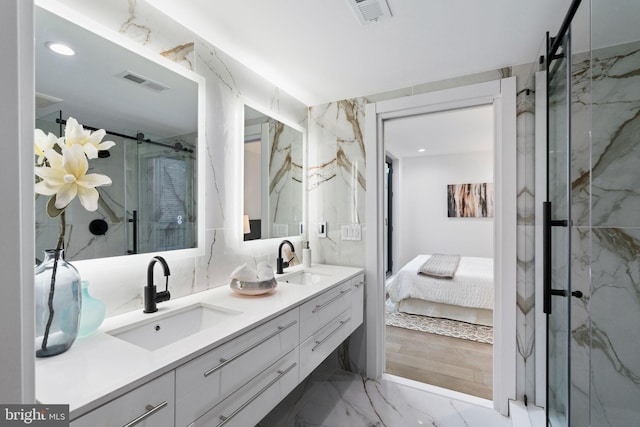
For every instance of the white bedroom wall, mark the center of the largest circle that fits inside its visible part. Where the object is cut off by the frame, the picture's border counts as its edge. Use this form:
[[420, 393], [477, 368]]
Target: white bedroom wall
[[422, 225]]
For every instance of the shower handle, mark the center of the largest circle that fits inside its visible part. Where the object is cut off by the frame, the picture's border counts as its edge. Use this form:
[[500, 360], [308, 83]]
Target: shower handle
[[548, 292], [134, 221]]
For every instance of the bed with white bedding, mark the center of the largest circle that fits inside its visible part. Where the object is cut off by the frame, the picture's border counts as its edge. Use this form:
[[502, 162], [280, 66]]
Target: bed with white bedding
[[468, 296]]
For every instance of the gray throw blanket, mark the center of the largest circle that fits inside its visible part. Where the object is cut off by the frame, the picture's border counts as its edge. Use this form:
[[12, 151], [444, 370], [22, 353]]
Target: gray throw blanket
[[441, 266]]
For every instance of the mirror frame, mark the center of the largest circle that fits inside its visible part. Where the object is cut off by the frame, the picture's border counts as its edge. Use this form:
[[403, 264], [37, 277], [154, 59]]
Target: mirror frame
[[304, 199], [87, 23]]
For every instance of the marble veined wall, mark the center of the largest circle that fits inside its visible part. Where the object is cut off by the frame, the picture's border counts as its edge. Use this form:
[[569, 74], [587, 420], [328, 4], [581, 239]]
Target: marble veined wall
[[119, 281], [336, 180], [606, 237]]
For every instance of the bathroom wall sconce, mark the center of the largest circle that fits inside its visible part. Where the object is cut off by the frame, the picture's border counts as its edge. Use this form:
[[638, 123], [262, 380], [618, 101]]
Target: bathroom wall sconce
[[245, 224]]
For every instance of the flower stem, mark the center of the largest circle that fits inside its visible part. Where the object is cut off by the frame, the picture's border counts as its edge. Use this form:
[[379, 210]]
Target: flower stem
[[52, 287]]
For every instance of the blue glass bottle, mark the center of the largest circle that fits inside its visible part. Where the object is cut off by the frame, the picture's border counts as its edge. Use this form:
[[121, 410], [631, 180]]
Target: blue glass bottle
[[92, 314]]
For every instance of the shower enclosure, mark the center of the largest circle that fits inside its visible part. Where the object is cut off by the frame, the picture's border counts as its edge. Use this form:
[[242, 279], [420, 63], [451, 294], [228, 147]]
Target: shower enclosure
[[591, 216]]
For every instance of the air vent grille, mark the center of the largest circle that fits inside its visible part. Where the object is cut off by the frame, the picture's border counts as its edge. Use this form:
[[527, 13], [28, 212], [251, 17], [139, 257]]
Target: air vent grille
[[143, 81], [370, 10], [133, 78]]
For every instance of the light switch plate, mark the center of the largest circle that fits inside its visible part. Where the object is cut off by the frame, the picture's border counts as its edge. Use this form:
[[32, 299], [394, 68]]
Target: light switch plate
[[351, 232], [357, 231]]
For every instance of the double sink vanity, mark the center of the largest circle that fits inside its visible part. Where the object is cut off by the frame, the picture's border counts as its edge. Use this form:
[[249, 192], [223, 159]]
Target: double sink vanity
[[208, 359]]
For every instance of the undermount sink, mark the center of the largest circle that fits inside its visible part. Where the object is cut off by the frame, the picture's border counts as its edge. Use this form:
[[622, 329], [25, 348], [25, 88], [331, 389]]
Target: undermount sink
[[304, 278], [178, 324]]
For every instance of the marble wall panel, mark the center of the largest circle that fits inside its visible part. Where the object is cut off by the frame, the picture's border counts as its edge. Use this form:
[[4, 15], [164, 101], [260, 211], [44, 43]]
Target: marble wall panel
[[615, 314], [142, 23], [605, 153], [337, 182], [580, 326], [612, 90]]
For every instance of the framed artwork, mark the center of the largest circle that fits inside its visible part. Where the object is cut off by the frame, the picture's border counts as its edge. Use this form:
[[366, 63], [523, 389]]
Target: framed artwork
[[470, 200]]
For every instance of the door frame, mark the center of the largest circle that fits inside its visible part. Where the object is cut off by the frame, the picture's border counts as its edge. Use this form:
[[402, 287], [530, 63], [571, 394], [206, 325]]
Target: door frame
[[540, 189], [502, 95]]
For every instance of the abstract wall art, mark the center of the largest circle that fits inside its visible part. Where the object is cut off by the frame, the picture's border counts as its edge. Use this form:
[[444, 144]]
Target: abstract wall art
[[470, 200]]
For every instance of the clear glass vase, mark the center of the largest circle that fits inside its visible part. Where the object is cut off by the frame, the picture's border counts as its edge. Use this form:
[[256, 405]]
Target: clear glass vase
[[56, 329], [92, 313]]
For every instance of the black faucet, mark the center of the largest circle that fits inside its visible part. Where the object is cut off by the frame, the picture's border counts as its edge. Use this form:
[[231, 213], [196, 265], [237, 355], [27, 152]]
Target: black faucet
[[151, 297], [280, 263]]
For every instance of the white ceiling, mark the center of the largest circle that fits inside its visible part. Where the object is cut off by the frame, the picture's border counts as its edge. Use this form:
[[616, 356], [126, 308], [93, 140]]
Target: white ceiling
[[448, 132], [318, 51]]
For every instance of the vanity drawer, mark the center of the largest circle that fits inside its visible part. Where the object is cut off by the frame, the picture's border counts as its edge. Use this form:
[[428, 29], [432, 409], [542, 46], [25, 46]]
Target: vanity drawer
[[210, 378], [357, 301], [315, 314], [151, 405], [320, 345], [254, 400]]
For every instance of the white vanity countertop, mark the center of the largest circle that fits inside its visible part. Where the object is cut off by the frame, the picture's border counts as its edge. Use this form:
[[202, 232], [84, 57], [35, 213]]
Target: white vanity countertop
[[100, 367]]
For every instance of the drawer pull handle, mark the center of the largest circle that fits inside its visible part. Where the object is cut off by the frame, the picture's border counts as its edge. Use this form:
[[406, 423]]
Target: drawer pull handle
[[224, 361], [321, 306], [357, 285], [150, 411], [319, 343], [281, 374]]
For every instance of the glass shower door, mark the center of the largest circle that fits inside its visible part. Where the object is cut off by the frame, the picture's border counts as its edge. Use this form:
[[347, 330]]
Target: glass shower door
[[557, 242], [160, 194]]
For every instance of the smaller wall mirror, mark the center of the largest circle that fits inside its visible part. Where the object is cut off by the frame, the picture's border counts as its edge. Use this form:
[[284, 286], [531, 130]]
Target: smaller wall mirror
[[273, 171]]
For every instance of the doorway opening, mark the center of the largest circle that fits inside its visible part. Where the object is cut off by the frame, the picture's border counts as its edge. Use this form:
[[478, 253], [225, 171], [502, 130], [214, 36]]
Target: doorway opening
[[439, 327], [501, 94]]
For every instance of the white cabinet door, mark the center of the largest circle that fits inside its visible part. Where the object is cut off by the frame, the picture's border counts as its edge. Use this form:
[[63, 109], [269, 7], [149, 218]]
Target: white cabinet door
[[150, 405], [321, 344], [316, 313], [255, 399], [205, 381]]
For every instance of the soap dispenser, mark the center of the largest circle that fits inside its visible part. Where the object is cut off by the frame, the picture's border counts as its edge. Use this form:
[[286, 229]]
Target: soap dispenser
[[306, 255]]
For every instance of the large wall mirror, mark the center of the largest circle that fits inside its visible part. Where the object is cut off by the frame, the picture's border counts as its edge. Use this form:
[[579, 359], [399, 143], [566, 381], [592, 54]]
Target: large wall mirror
[[273, 177], [151, 109]]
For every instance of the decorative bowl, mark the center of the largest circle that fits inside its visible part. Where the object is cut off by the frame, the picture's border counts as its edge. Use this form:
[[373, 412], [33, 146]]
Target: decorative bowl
[[253, 288]]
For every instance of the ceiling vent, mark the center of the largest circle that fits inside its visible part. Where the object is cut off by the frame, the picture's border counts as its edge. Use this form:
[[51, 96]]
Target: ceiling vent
[[143, 81], [370, 10]]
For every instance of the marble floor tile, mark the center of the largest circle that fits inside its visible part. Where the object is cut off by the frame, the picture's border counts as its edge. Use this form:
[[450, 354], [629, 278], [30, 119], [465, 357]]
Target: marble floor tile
[[343, 399]]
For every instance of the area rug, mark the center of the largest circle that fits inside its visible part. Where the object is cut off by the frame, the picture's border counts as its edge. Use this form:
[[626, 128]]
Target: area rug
[[435, 325]]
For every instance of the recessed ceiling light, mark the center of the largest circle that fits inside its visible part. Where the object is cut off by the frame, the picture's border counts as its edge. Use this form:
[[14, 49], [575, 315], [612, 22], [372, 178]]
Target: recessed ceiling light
[[421, 150], [60, 48]]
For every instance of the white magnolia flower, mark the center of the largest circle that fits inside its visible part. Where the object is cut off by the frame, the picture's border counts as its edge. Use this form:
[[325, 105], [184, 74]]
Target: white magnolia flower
[[42, 142], [66, 176], [91, 142]]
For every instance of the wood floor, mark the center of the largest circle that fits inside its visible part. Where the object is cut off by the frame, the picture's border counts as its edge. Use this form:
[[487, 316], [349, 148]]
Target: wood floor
[[452, 363]]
